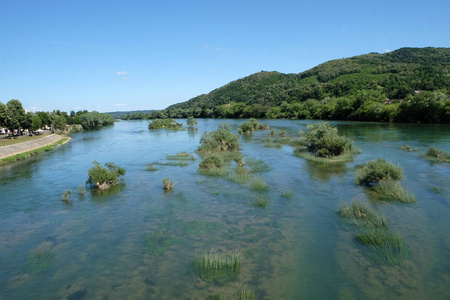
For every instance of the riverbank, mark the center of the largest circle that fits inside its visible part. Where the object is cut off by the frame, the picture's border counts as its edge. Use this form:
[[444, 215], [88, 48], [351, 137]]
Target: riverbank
[[16, 151]]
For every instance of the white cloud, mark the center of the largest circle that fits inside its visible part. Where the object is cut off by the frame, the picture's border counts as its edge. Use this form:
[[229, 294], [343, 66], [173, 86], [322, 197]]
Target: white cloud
[[387, 50], [215, 48], [123, 73], [120, 104], [77, 108]]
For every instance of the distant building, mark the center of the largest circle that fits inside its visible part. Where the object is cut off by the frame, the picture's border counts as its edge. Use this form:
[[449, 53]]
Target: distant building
[[388, 101]]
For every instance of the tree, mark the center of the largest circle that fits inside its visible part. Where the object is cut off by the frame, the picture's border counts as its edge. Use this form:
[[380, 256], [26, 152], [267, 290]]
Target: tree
[[191, 121], [58, 122], [103, 178], [3, 115], [16, 114], [36, 123]]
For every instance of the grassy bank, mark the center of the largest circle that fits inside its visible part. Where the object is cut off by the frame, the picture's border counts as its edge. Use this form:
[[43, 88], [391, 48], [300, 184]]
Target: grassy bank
[[26, 154]]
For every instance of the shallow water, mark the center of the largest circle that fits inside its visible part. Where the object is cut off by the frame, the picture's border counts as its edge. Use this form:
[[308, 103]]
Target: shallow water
[[295, 248]]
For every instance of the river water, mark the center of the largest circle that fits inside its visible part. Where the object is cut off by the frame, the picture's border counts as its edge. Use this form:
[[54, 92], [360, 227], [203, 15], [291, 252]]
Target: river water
[[296, 247]]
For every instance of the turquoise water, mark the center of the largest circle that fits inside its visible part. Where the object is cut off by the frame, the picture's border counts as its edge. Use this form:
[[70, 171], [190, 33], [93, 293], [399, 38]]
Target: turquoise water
[[294, 248]]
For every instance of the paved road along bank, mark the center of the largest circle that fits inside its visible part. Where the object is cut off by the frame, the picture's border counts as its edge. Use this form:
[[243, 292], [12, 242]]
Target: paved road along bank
[[10, 150]]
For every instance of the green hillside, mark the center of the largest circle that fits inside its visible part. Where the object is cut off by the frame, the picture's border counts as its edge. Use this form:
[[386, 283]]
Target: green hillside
[[353, 88]]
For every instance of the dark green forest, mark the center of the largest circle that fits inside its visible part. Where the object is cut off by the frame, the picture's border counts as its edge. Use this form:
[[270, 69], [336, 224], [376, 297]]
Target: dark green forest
[[406, 85]]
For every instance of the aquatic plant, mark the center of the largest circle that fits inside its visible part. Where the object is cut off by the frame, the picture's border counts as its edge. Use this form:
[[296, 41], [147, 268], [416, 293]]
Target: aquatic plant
[[164, 123], [374, 171], [384, 247], [65, 196], [150, 167], [38, 262], [215, 297], [436, 155], [191, 121], [252, 125], [257, 165], [408, 148], [167, 184], [157, 243], [287, 194], [323, 140], [212, 161], [244, 293], [241, 175], [218, 267], [258, 185], [180, 163], [81, 190], [260, 202], [103, 178], [393, 191], [219, 140], [181, 156], [360, 214]]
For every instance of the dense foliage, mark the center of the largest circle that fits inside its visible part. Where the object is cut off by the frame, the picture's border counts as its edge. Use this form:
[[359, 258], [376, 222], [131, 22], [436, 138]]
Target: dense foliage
[[218, 140], [13, 116], [324, 140], [377, 170], [436, 155], [252, 125], [103, 178], [416, 81], [191, 121]]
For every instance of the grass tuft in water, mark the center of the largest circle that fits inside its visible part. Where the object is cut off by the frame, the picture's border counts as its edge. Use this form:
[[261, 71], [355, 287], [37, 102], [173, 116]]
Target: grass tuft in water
[[258, 185], [408, 148], [179, 163], [150, 167], [287, 194], [385, 247], [215, 297], [40, 261], [244, 293], [361, 215], [393, 191], [81, 190], [257, 165], [260, 202], [167, 184], [218, 267], [181, 156], [374, 171]]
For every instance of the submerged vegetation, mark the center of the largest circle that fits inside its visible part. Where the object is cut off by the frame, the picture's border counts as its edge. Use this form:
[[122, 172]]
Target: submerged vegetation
[[436, 155], [38, 262], [322, 143], [103, 178], [218, 267], [66, 195], [393, 191], [383, 246], [167, 184], [157, 243]]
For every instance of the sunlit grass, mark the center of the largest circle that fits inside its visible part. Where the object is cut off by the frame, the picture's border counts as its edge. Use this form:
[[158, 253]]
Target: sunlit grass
[[179, 163], [345, 157], [259, 185], [360, 214], [385, 247], [181, 156], [218, 267], [436, 155], [244, 293], [393, 191]]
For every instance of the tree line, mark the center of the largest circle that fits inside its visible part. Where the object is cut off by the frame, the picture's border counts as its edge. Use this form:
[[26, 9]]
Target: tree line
[[14, 117]]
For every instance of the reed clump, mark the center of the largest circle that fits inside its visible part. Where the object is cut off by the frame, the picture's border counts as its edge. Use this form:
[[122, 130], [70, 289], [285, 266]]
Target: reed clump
[[81, 190], [39, 262], [260, 202], [244, 293], [360, 214], [393, 191], [181, 156], [218, 267], [436, 155], [150, 167], [408, 148]]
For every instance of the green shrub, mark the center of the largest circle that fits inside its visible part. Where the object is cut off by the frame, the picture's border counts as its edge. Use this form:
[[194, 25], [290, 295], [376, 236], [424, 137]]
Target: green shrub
[[212, 161], [191, 121], [103, 178], [219, 140], [252, 125], [164, 123], [324, 141], [374, 171]]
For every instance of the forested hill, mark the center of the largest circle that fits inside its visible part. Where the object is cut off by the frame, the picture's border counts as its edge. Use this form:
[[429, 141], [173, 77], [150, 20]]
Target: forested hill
[[353, 88]]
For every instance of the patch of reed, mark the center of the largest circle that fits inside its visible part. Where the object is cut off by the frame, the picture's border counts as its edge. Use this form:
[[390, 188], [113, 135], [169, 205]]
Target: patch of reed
[[179, 163], [436, 155], [257, 165], [345, 157], [408, 148], [244, 293], [259, 185], [167, 184], [361, 215], [393, 191], [81, 190], [215, 297], [287, 194], [385, 247], [218, 267]]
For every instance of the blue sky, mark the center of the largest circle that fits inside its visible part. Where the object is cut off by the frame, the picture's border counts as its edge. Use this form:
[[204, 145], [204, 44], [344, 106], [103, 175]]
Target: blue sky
[[111, 55]]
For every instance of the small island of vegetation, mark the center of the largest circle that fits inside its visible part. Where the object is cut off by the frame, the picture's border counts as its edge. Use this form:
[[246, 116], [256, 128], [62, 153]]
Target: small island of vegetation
[[103, 178]]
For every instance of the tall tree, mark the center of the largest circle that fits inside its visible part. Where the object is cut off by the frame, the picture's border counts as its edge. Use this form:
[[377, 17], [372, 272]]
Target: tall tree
[[3, 115], [16, 114]]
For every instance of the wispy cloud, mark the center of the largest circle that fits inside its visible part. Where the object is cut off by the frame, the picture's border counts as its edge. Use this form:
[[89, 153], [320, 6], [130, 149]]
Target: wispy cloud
[[215, 48], [120, 104], [387, 50], [76, 108], [123, 73]]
